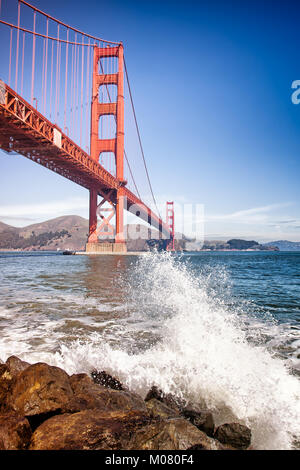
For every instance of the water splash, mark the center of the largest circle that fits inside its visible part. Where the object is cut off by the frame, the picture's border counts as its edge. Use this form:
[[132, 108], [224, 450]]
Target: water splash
[[203, 355], [198, 349]]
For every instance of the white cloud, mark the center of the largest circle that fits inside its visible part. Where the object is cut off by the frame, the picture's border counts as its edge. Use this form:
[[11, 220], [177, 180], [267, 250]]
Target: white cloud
[[253, 215]]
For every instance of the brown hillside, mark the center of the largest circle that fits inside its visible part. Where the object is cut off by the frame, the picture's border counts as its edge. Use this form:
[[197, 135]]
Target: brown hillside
[[66, 233]]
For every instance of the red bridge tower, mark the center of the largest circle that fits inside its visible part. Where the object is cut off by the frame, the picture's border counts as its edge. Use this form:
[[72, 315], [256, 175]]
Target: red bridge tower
[[115, 198], [171, 226]]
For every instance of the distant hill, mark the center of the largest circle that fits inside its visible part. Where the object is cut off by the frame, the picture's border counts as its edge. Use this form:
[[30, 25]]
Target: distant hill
[[70, 233], [67, 232], [237, 244], [233, 244], [286, 245], [4, 226]]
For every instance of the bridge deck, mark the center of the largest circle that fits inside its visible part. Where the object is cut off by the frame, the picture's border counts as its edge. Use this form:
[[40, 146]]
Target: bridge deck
[[26, 131]]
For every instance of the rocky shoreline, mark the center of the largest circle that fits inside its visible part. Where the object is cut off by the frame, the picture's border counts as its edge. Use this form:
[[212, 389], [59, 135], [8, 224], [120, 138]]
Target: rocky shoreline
[[44, 408]]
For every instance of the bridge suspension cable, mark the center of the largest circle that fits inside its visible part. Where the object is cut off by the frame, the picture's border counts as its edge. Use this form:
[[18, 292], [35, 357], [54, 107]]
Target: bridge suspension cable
[[50, 63], [64, 24], [139, 138], [125, 154]]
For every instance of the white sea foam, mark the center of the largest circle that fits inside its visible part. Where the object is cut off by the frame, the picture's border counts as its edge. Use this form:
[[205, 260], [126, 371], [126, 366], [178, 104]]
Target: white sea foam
[[203, 354]]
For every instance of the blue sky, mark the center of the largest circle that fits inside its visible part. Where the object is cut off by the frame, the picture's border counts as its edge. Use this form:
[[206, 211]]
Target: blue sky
[[212, 89]]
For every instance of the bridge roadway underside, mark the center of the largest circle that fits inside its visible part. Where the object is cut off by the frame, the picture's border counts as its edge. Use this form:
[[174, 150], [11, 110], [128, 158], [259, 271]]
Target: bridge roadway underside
[[25, 131]]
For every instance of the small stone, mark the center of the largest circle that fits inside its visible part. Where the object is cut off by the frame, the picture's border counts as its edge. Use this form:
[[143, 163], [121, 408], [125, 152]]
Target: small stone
[[106, 380], [167, 398], [159, 409], [203, 420], [234, 434], [154, 392]]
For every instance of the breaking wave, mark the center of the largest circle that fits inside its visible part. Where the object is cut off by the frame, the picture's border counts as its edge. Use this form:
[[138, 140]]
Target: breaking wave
[[195, 345]]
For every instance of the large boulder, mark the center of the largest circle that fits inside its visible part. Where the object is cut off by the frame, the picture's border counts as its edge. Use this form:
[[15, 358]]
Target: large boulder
[[88, 395], [87, 430], [15, 432], [171, 434], [234, 434], [39, 389], [203, 419], [96, 430]]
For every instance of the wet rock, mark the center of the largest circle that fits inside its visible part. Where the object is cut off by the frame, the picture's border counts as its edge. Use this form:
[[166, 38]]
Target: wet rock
[[234, 434], [8, 372], [5, 384], [171, 434], [87, 430], [159, 409], [88, 395], [15, 432], [16, 365], [203, 420], [95, 430], [154, 392], [166, 398], [106, 380], [39, 389]]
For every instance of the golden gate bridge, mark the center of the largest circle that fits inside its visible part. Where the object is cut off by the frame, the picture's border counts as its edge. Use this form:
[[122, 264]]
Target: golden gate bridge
[[62, 106]]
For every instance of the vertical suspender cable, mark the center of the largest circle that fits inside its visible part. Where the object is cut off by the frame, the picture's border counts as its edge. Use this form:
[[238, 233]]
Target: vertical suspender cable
[[46, 74], [81, 99], [77, 87], [17, 53], [33, 58], [43, 73], [10, 49], [56, 78], [66, 79], [71, 91], [74, 89], [23, 52], [58, 89], [51, 80], [87, 97]]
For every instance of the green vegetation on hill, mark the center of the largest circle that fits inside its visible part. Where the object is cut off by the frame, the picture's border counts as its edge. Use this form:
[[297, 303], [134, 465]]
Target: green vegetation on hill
[[11, 239]]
